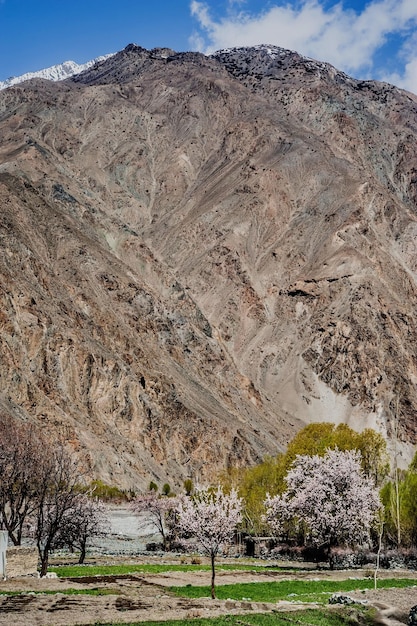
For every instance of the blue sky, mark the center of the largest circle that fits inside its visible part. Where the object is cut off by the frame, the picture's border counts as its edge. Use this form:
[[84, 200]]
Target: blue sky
[[373, 39]]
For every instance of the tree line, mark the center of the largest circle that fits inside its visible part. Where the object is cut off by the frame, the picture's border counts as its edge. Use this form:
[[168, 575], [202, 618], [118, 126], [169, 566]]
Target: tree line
[[331, 487], [328, 500]]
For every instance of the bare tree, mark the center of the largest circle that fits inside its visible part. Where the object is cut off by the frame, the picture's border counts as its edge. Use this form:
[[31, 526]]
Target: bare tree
[[40, 484], [159, 511], [22, 457], [86, 518], [58, 497]]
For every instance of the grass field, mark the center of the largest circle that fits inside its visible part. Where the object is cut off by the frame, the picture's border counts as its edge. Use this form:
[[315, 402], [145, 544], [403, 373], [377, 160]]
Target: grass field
[[298, 590], [75, 571]]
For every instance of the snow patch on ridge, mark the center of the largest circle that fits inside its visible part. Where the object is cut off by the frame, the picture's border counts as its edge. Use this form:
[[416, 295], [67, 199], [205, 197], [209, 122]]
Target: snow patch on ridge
[[271, 50]]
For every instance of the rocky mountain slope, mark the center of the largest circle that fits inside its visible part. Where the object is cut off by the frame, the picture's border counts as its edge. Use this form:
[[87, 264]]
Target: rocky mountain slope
[[202, 254]]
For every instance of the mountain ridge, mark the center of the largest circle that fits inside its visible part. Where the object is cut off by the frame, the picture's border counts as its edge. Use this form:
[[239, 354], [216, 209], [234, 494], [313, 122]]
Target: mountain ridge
[[201, 256], [68, 69]]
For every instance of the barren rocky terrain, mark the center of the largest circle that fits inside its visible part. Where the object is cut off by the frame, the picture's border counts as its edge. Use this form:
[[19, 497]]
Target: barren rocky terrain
[[202, 254]]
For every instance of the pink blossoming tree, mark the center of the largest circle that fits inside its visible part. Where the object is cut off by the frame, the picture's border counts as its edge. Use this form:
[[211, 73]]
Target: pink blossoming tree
[[331, 496], [211, 517]]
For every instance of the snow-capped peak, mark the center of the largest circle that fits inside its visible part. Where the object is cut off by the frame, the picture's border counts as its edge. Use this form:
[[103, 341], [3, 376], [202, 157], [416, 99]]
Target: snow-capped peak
[[56, 72]]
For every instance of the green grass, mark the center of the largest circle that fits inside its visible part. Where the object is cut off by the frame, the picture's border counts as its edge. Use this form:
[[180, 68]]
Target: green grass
[[76, 571], [313, 617], [297, 590]]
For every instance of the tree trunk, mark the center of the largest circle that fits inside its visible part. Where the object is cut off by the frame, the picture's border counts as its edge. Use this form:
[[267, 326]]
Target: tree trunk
[[396, 479], [15, 540], [330, 556], [44, 556], [5, 525], [213, 574], [165, 543], [378, 555], [82, 553]]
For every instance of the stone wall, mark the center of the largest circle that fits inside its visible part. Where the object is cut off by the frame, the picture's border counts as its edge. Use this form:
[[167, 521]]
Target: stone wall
[[21, 561]]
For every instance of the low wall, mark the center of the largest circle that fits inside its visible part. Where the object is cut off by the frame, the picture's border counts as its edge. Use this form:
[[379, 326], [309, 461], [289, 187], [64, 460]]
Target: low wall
[[21, 561]]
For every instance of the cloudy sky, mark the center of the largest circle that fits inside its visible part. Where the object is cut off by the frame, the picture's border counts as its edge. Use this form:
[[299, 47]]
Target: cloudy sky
[[375, 39]]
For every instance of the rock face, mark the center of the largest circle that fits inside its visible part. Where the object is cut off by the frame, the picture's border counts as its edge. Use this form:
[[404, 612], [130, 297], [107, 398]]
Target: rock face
[[202, 254]]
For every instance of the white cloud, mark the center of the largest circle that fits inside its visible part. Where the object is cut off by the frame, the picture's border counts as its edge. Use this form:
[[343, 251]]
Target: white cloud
[[407, 79], [347, 39]]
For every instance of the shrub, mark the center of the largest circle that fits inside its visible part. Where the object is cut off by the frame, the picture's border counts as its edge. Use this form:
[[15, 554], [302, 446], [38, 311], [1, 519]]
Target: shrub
[[108, 493]]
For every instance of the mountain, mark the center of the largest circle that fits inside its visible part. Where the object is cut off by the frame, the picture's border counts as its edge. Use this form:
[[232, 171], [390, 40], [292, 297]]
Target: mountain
[[203, 254], [56, 72]]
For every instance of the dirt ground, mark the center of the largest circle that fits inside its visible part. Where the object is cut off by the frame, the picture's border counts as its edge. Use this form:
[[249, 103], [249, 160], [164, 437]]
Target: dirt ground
[[139, 598]]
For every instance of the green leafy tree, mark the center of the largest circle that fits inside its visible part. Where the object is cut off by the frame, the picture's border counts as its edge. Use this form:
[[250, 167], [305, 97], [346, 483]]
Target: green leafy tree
[[252, 484], [318, 438], [374, 455], [406, 516], [166, 489], [267, 477], [315, 439]]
